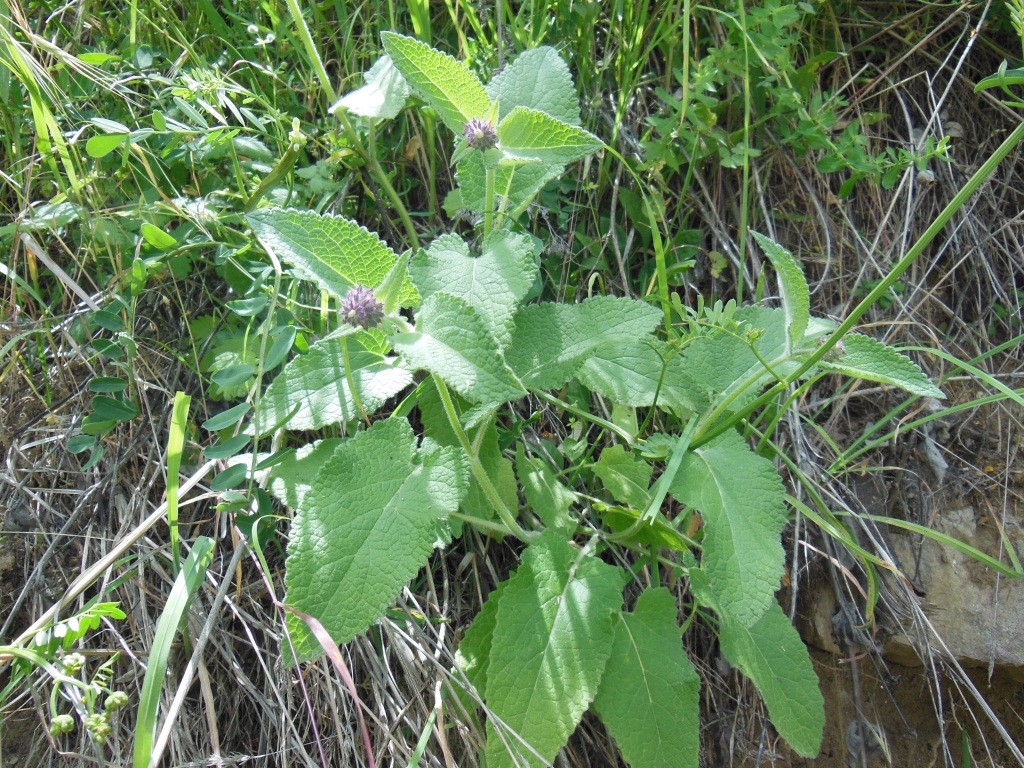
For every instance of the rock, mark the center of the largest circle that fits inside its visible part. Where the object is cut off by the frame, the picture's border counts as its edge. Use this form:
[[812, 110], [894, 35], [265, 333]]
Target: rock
[[978, 614]]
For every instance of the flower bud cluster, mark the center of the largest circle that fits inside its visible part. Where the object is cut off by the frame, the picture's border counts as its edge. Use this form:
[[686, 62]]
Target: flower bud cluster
[[480, 135], [360, 307]]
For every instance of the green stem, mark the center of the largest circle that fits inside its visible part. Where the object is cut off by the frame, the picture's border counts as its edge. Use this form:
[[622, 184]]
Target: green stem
[[630, 439], [380, 177], [479, 522], [489, 201], [972, 185], [476, 466], [744, 191], [311, 49], [351, 382]]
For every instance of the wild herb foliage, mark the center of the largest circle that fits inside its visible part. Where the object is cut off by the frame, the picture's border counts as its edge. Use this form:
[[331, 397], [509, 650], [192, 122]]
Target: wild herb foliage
[[457, 320]]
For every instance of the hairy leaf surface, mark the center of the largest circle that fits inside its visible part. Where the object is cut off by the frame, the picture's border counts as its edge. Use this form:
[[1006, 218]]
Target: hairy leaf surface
[[382, 97], [290, 479], [630, 372], [331, 251], [865, 358], [551, 341], [475, 647], [549, 499], [551, 640], [727, 369], [366, 527], [493, 282], [741, 498], [796, 298], [528, 135], [649, 693], [314, 389], [445, 83], [519, 183], [452, 340], [539, 79], [771, 653], [625, 477]]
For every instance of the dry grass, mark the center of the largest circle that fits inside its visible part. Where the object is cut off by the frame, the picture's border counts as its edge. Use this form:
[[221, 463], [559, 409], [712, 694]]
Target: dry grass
[[243, 707]]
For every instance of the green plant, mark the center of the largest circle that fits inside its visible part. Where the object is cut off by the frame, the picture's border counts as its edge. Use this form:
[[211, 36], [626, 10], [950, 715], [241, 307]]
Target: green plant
[[372, 505], [50, 651]]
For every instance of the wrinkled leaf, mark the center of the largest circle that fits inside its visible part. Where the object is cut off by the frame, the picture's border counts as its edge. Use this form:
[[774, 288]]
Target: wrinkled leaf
[[314, 389], [552, 637], [551, 341], [446, 84], [331, 251], [649, 693], [382, 97], [452, 340], [365, 528], [741, 499]]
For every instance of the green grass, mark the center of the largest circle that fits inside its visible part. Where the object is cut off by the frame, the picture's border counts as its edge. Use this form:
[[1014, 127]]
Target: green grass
[[723, 118]]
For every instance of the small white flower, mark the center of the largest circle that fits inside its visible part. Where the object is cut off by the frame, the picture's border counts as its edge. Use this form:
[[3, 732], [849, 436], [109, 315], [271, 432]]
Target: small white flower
[[252, 29]]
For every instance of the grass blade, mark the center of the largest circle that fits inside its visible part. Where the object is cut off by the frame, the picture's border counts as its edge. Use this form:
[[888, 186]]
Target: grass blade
[[175, 441], [185, 587]]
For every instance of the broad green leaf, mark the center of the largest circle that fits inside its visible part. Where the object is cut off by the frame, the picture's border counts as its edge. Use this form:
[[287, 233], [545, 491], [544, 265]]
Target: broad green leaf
[[383, 96], [518, 183], [499, 469], [290, 479], [624, 476], [314, 388], [551, 341], [653, 533], [453, 340], [649, 695], [771, 653], [549, 499], [725, 366], [447, 85], [228, 418], [796, 298], [539, 79], [528, 135], [114, 409], [864, 358], [474, 649], [741, 499], [366, 526], [629, 373], [552, 638], [331, 251], [493, 282], [103, 144], [156, 236]]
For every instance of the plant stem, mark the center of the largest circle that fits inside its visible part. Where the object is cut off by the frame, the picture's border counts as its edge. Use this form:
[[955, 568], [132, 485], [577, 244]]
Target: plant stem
[[370, 158], [630, 439], [489, 201], [476, 466], [311, 49], [980, 177], [351, 382]]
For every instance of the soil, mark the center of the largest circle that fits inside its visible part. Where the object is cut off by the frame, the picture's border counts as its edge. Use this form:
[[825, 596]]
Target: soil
[[901, 700]]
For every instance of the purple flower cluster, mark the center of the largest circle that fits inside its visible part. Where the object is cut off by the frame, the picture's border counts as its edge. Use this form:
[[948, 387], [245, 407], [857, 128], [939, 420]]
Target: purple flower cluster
[[480, 134], [360, 307]]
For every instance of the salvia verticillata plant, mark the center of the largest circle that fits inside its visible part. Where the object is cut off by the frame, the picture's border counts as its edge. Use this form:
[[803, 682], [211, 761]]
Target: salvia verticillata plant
[[563, 634]]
